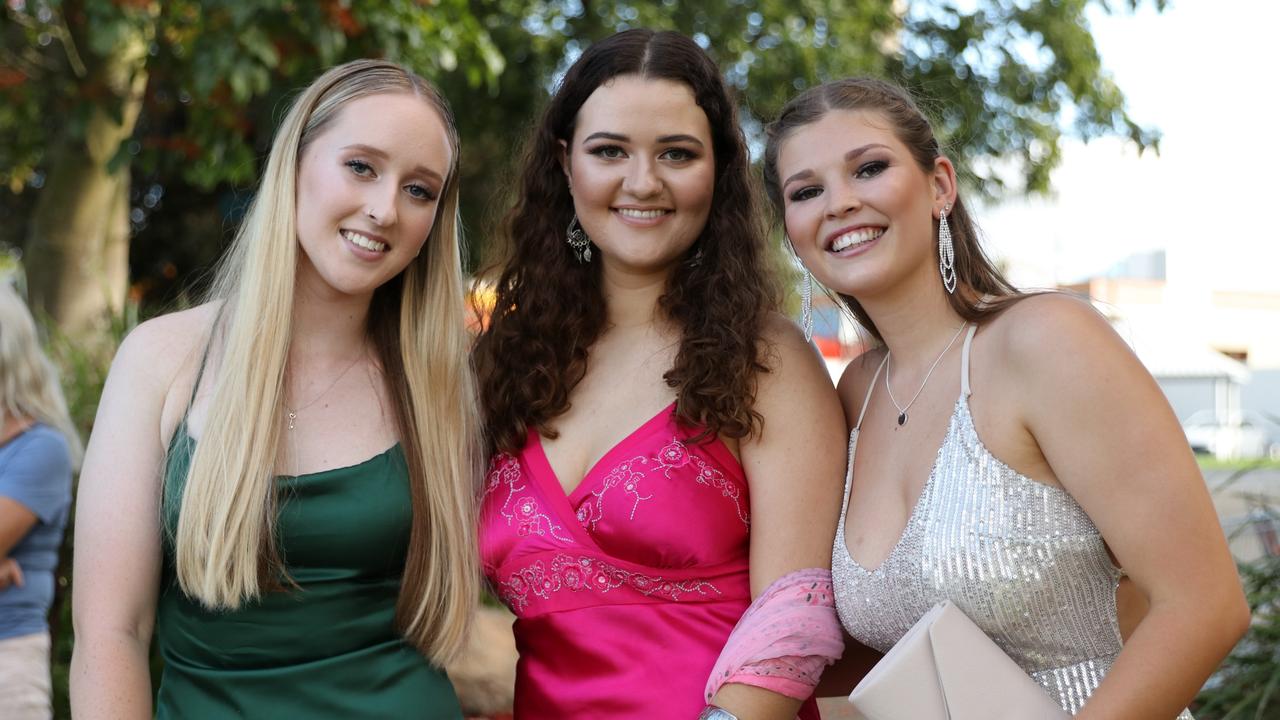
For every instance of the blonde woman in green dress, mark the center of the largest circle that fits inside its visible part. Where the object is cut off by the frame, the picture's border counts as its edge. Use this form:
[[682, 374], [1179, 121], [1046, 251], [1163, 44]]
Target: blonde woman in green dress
[[280, 482]]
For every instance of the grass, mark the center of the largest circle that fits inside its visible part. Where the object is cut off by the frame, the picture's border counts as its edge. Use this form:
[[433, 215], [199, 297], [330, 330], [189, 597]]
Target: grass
[[1208, 462]]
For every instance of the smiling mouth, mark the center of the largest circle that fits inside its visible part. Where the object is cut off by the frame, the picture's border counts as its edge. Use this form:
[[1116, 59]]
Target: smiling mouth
[[641, 214], [854, 238], [364, 241]]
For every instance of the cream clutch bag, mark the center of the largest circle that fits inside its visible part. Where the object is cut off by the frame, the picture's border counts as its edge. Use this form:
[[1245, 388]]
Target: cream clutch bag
[[946, 668]]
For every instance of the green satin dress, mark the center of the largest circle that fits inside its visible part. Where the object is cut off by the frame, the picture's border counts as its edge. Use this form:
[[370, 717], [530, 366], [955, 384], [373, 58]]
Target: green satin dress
[[326, 649]]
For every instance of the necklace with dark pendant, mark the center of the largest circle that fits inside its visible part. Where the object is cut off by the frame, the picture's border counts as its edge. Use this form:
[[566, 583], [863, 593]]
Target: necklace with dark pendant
[[902, 410]]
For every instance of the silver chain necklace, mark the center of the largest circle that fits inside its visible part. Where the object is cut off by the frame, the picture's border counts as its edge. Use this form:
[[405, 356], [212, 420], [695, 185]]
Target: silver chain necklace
[[902, 410], [293, 414]]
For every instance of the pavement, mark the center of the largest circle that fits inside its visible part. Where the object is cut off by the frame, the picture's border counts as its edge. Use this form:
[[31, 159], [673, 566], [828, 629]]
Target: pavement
[[1248, 505]]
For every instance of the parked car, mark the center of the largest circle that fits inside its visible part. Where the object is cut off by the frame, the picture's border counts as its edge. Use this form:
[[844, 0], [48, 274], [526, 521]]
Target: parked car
[[1256, 435]]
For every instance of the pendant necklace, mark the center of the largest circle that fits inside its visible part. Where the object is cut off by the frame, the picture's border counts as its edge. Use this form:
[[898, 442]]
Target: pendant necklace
[[902, 410], [293, 414]]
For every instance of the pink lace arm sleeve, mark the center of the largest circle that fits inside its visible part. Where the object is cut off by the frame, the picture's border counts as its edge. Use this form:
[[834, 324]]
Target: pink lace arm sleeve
[[785, 639]]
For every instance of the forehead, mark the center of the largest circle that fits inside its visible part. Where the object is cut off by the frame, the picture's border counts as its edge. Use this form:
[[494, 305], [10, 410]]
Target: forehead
[[826, 140], [640, 108], [401, 124]]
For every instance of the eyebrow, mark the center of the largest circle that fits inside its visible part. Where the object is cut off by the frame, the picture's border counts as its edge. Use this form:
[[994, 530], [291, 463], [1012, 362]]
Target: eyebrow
[[664, 139], [848, 157], [371, 150]]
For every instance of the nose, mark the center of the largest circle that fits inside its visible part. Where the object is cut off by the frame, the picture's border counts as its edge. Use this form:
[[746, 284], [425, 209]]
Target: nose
[[842, 199], [641, 180], [380, 205]]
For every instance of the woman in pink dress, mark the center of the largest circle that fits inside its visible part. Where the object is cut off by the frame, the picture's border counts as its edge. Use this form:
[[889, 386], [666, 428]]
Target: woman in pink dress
[[666, 446]]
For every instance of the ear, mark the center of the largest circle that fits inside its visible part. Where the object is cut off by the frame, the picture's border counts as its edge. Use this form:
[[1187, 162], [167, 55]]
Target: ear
[[943, 179], [565, 165]]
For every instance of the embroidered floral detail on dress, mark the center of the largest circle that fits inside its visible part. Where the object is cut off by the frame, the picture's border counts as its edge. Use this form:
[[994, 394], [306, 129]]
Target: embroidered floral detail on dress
[[627, 475], [519, 508], [582, 573], [675, 454]]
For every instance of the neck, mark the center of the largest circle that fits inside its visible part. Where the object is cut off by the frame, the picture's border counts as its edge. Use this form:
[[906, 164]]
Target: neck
[[328, 327], [916, 321], [631, 298]]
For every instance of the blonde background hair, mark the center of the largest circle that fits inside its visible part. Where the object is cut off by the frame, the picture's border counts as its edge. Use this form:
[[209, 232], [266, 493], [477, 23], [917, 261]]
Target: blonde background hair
[[225, 542], [29, 385]]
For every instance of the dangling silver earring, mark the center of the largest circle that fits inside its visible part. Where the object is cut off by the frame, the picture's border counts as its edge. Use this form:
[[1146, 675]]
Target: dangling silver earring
[[946, 252], [806, 305], [578, 240]]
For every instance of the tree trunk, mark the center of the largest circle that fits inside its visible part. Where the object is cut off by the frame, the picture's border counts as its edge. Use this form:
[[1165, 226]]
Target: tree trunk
[[77, 254]]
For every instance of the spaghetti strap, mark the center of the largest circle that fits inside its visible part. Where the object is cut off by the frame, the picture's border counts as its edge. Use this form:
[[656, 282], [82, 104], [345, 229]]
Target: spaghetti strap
[[870, 388], [204, 359], [965, 390]]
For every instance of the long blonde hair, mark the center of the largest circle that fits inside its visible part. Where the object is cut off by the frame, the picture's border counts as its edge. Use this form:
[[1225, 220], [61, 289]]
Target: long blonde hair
[[225, 541], [28, 380]]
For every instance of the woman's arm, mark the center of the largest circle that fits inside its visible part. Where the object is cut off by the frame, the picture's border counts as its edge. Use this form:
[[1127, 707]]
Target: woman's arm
[[35, 486], [118, 550], [15, 522], [794, 468], [1110, 437]]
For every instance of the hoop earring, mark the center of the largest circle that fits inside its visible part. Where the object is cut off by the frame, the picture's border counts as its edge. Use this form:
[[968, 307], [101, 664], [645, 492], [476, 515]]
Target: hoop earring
[[946, 252], [578, 240], [806, 305]]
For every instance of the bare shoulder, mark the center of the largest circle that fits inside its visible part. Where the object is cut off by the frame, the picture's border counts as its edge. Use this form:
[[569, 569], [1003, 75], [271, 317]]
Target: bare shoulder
[[160, 352], [1056, 341], [796, 371], [857, 377], [1047, 326], [778, 328], [165, 342]]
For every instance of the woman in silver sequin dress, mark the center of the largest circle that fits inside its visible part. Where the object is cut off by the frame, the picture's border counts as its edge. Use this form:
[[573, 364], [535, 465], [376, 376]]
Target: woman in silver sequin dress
[[1015, 458]]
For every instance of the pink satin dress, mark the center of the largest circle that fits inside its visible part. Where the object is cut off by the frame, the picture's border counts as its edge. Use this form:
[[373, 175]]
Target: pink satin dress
[[625, 590]]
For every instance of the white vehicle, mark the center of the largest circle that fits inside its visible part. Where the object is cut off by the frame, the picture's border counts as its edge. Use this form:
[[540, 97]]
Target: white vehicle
[[1255, 435]]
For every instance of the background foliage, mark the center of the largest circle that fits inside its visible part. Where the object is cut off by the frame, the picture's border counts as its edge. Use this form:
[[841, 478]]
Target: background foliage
[[1006, 80]]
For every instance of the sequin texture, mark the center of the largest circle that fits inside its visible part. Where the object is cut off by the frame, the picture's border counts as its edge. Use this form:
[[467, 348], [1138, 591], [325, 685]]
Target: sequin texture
[[1020, 558]]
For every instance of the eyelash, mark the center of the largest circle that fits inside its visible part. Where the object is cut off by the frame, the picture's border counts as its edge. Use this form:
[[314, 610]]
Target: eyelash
[[803, 194], [614, 152], [869, 170], [362, 168], [608, 152]]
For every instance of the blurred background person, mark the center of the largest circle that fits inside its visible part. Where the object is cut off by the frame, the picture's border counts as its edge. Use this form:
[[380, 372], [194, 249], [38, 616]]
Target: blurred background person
[[38, 450]]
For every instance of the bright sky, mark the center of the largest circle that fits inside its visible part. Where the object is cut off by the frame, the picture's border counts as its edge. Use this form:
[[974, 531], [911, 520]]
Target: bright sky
[[1201, 73]]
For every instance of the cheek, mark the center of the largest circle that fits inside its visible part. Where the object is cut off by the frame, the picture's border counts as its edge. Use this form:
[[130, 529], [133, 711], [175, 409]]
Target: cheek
[[593, 184], [695, 190], [799, 223], [320, 191], [423, 220]]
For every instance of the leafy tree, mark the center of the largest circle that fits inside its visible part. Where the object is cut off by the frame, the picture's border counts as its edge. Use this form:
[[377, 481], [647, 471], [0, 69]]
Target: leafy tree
[[93, 90], [183, 95]]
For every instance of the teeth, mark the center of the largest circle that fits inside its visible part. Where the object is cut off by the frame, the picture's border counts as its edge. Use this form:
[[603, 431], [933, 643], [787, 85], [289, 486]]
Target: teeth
[[361, 241], [857, 237], [641, 214]]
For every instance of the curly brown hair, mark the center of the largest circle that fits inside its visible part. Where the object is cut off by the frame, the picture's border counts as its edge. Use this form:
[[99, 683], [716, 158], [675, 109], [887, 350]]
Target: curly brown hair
[[549, 308], [986, 293]]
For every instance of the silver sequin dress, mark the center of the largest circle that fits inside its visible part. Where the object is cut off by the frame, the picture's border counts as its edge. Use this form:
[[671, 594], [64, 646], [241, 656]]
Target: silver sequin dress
[[1019, 557]]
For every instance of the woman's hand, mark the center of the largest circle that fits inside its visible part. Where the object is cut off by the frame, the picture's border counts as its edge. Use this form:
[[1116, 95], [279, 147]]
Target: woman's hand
[[10, 573]]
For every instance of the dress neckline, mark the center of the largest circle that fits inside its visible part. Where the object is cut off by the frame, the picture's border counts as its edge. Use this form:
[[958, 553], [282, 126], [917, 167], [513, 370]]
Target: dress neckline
[[593, 469], [979, 447], [396, 446]]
